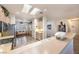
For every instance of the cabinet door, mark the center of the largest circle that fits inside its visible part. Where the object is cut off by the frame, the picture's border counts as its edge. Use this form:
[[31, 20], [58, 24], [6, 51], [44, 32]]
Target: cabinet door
[[76, 44]]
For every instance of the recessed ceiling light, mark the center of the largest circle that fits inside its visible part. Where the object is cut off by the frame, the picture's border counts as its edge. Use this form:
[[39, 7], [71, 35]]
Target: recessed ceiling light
[[35, 11], [26, 8]]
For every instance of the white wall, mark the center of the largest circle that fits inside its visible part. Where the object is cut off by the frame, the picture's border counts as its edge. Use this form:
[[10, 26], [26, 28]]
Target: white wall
[[74, 25], [54, 24], [47, 21]]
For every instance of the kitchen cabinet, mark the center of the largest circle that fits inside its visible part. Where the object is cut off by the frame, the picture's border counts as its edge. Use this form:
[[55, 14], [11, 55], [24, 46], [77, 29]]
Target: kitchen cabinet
[[39, 36], [74, 27]]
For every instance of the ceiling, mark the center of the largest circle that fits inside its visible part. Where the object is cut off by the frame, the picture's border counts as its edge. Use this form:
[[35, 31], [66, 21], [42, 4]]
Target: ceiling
[[54, 11], [60, 11]]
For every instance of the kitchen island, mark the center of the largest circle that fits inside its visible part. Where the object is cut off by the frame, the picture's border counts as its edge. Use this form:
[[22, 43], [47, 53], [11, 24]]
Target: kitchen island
[[46, 46], [6, 43]]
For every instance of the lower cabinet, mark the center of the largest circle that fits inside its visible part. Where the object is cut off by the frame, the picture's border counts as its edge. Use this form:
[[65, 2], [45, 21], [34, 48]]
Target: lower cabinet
[[76, 44], [39, 36]]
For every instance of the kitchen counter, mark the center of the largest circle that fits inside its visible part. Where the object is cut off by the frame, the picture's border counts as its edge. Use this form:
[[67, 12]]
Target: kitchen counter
[[46, 46], [7, 37], [5, 47]]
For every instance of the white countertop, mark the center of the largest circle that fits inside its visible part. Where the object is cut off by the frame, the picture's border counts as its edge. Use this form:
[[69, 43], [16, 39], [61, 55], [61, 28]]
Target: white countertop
[[7, 37], [45, 46]]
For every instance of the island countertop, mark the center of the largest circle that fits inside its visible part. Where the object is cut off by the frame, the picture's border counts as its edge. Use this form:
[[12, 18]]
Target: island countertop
[[46, 46]]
